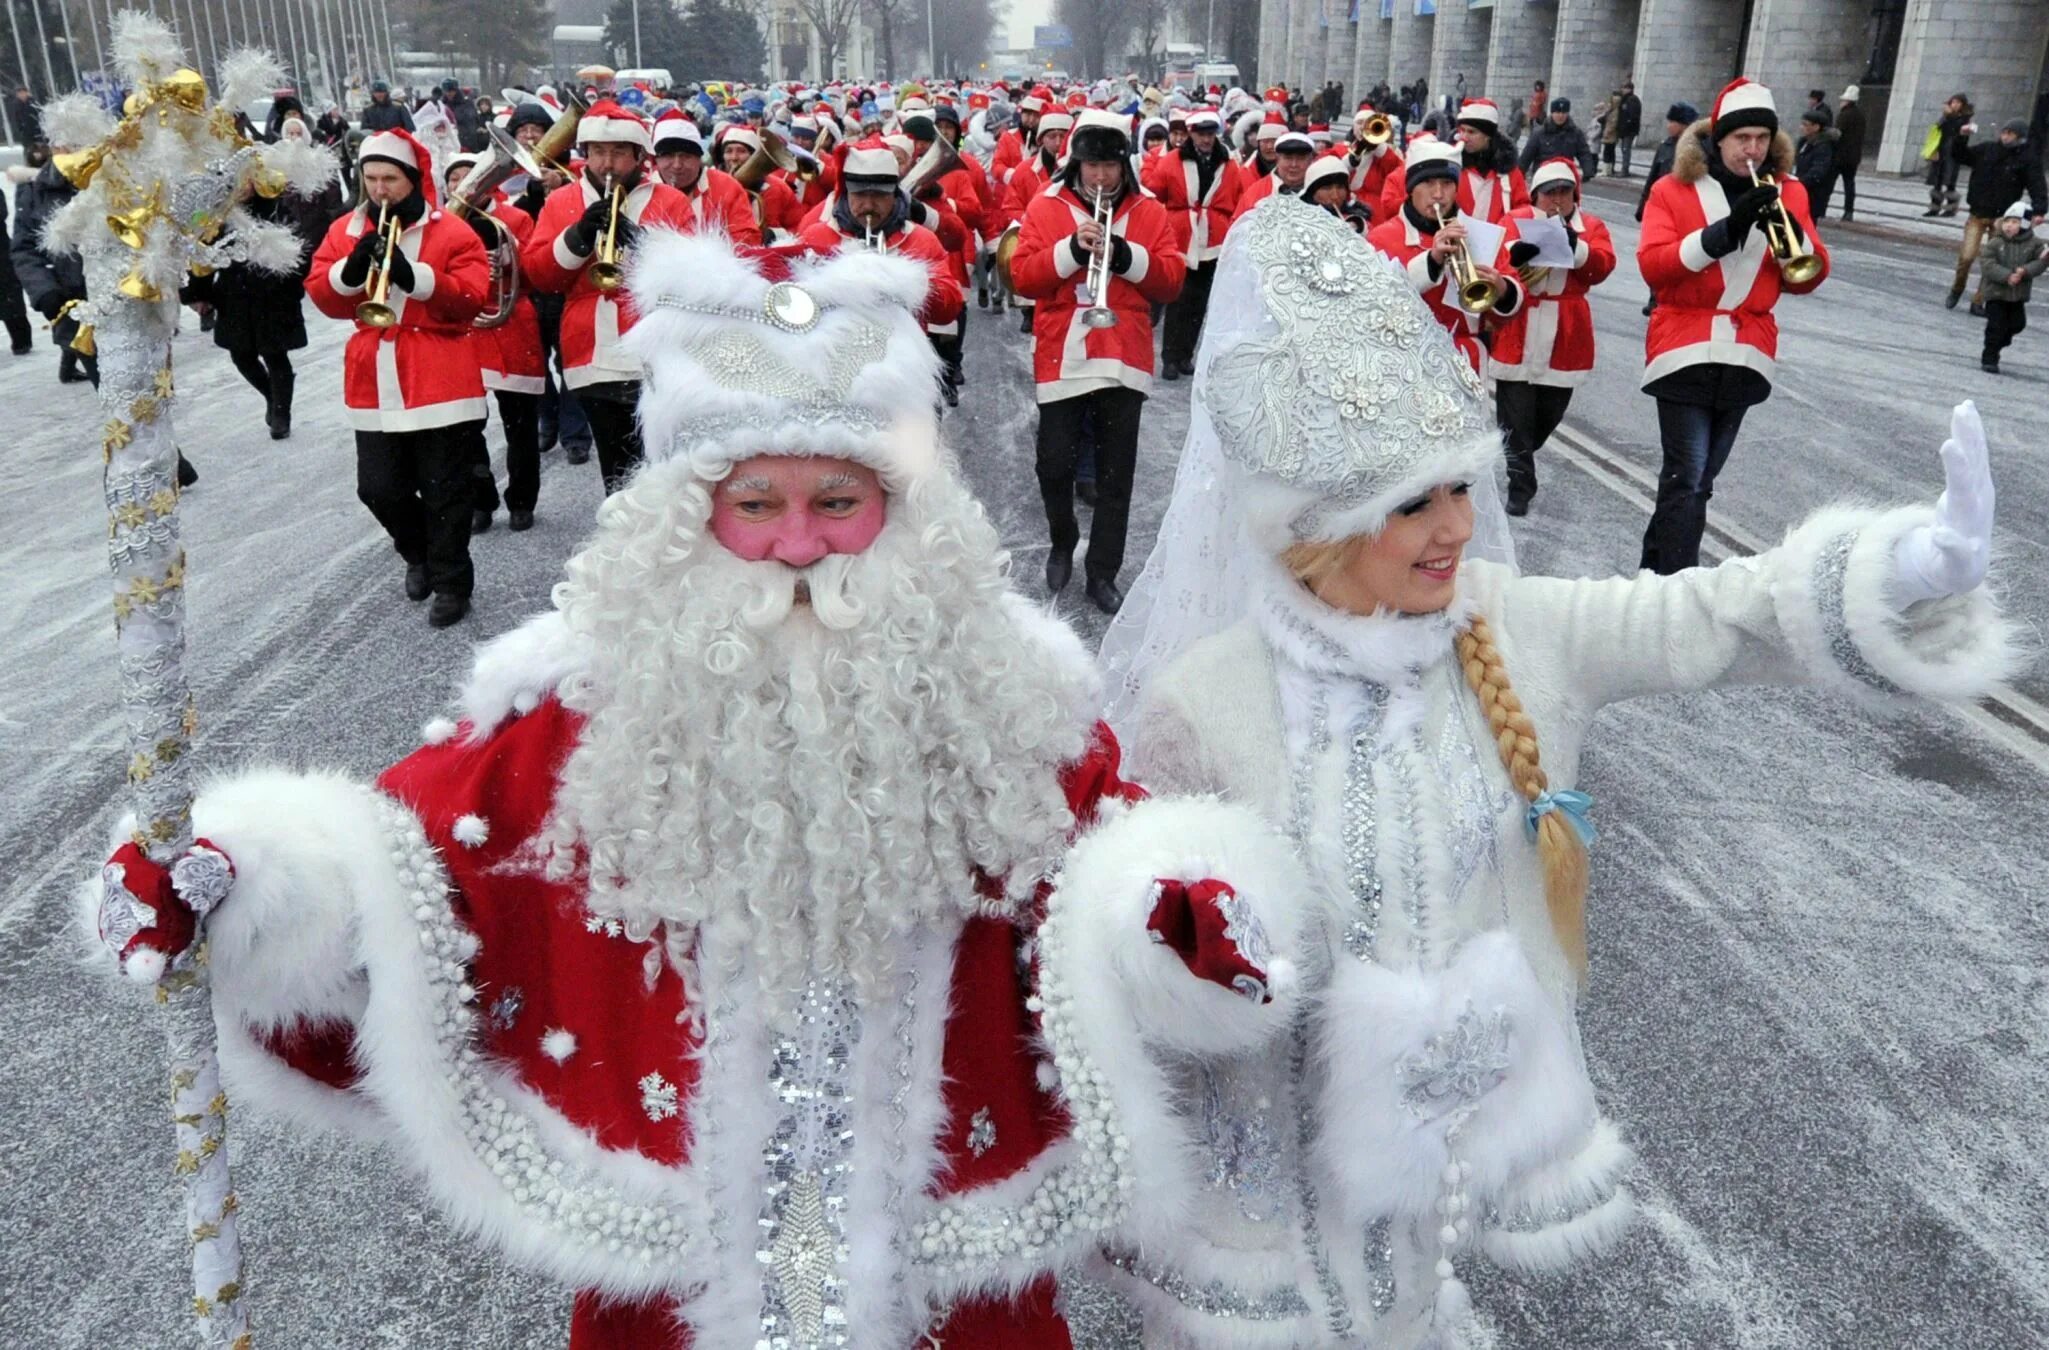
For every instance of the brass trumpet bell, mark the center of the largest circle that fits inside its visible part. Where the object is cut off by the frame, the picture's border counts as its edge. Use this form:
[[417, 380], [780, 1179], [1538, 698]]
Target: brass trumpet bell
[[1378, 130]]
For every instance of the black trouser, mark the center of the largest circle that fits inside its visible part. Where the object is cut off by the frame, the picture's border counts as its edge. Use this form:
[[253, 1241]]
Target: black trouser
[[418, 485], [261, 369], [614, 430], [14, 310], [521, 414], [1115, 413], [1846, 177], [1697, 440], [1184, 315], [1528, 414], [2004, 319]]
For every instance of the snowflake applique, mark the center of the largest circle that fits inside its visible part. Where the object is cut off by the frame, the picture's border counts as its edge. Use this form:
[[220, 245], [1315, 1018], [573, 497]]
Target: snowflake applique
[[981, 1133], [657, 1097], [505, 1009], [609, 927], [1458, 1066]]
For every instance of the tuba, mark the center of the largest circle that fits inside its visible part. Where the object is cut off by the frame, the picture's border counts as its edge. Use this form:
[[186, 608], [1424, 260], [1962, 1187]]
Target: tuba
[[1797, 262], [941, 160], [556, 142], [1006, 249], [466, 200], [754, 170], [1476, 294]]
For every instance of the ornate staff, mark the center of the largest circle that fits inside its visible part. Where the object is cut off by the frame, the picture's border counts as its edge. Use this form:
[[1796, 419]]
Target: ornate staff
[[159, 195]]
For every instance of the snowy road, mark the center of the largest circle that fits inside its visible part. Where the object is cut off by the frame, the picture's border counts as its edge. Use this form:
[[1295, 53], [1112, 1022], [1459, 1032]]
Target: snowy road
[[1818, 1001]]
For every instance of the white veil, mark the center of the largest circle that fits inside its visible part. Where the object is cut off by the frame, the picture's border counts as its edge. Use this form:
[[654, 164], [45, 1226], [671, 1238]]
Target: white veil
[[1200, 578]]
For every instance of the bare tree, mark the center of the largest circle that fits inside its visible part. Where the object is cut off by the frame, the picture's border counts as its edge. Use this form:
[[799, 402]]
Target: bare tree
[[833, 20], [1150, 19], [1098, 26], [887, 16]]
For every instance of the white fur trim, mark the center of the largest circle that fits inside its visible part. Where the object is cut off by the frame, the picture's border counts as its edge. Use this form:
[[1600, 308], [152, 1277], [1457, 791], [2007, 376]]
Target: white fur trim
[[1955, 649], [1555, 1249], [1587, 1187], [1043, 626], [472, 831], [334, 278], [1141, 263], [567, 258], [1375, 1019], [1694, 254], [438, 731], [423, 281], [1422, 274], [1064, 265], [559, 1044], [388, 145], [515, 670]]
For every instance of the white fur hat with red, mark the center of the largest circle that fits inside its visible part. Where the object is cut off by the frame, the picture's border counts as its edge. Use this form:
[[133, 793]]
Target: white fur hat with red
[[1205, 119], [406, 150], [871, 159], [1055, 121], [821, 355], [1554, 171], [733, 132], [609, 122], [673, 131], [1425, 160], [1744, 102], [1480, 110]]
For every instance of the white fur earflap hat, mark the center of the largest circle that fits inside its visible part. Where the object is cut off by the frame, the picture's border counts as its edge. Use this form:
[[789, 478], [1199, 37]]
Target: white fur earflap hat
[[759, 356]]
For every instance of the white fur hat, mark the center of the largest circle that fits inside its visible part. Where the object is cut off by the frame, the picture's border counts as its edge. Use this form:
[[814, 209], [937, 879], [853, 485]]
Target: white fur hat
[[609, 122], [824, 357], [1322, 167]]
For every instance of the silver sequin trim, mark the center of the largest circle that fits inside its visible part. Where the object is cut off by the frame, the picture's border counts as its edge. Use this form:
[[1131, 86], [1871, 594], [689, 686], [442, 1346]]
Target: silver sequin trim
[[1212, 1299], [1360, 830], [1831, 577], [803, 1239]]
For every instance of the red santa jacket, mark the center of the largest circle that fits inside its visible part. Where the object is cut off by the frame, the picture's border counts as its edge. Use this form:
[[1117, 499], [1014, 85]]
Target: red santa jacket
[[717, 202], [780, 209], [1253, 193], [1174, 178], [510, 355], [942, 303], [1010, 152], [1403, 240], [1550, 340], [820, 187], [1069, 358], [593, 321], [988, 197], [1370, 174], [1714, 309], [1476, 190], [1027, 181], [421, 372]]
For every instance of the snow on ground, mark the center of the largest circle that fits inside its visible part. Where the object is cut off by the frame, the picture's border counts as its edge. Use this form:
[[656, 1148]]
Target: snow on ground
[[1816, 1005]]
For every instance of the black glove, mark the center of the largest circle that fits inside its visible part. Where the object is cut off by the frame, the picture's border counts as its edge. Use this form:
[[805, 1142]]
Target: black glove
[[1571, 237], [356, 267], [931, 192], [1521, 252], [402, 270], [1121, 256], [1080, 255], [582, 236], [629, 233], [1748, 209], [486, 231]]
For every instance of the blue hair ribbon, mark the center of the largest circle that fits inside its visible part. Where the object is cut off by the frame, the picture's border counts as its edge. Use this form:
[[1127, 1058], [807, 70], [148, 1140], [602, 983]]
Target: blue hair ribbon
[[1574, 804]]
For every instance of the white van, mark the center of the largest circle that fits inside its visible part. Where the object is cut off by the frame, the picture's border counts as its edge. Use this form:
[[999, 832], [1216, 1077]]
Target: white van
[[654, 77], [1222, 74]]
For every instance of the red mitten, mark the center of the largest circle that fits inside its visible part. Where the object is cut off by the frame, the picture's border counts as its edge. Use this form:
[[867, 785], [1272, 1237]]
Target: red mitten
[[1215, 934], [150, 914]]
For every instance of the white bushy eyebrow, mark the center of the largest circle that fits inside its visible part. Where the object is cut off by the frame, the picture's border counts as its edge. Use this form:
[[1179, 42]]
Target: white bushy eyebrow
[[838, 481], [752, 482]]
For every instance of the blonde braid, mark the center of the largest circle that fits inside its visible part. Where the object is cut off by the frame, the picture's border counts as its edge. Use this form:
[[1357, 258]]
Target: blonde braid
[[1559, 847]]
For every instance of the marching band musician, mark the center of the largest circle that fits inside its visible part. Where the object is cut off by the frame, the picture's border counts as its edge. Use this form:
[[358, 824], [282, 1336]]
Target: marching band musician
[[1085, 371], [413, 389], [1029, 179], [1292, 152], [1327, 184], [952, 209], [1490, 185], [581, 220], [820, 186], [1198, 183], [1713, 340], [871, 211], [512, 363], [774, 205], [1014, 145], [1370, 165], [1414, 238], [1545, 351], [715, 200], [561, 416]]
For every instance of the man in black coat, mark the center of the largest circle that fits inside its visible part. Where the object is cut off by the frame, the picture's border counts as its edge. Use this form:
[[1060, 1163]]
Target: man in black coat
[[462, 114], [1678, 118], [382, 114], [1558, 138], [1849, 151], [13, 310], [50, 280], [1628, 124], [2002, 172]]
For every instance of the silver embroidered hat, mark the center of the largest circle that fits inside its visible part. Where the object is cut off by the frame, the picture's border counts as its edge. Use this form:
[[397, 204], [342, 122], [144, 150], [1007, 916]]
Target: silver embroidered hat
[[762, 356], [1344, 398]]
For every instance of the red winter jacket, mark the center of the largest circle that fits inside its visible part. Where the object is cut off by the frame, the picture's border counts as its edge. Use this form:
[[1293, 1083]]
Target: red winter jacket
[[1068, 358], [592, 320], [716, 201], [1400, 239], [1550, 340], [510, 354], [422, 372], [1199, 226], [942, 302]]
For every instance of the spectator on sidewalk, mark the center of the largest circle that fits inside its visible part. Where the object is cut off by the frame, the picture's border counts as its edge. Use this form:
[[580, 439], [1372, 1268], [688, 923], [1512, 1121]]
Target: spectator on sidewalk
[[2000, 172], [1938, 149], [1628, 124], [1814, 162], [2013, 258], [1607, 117], [1559, 137], [26, 117], [1849, 151]]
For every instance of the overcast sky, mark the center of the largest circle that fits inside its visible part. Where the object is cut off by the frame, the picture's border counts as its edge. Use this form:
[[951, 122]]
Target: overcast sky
[[1024, 14]]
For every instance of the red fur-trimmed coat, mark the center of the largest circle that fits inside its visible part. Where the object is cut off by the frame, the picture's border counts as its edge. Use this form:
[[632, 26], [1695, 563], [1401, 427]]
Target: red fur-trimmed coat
[[1200, 226], [717, 202], [594, 321], [943, 303], [510, 354], [1550, 340], [421, 372], [1715, 310], [1400, 239]]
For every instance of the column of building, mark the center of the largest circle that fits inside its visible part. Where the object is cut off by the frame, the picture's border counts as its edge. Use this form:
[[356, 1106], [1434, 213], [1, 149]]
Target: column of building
[[1408, 50], [1686, 50], [1519, 46], [1341, 43], [1370, 51], [1459, 48], [1591, 49]]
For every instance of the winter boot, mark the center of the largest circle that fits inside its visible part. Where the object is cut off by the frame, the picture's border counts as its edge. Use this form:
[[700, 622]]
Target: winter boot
[[1989, 364], [280, 418], [1950, 301], [447, 609], [187, 475], [1024, 322]]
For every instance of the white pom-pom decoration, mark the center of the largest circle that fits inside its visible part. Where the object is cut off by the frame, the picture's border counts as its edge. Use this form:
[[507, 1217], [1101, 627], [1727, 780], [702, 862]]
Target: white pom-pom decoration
[[559, 1044], [439, 731], [144, 965], [74, 121], [266, 246], [308, 168], [248, 74], [145, 47], [472, 831]]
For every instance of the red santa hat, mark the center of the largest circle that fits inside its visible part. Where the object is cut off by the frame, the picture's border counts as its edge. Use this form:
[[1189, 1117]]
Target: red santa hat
[[805, 356], [870, 158], [673, 132], [1480, 111], [1561, 169], [1205, 119], [1077, 98], [1055, 121], [731, 133], [401, 147], [1744, 102], [609, 121], [1273, 128]]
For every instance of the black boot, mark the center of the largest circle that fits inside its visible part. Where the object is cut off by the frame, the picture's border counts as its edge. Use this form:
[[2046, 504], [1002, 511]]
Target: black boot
[[1170, 370], [1104, 595], [187, 475], [1950, 302], [1059, 570], [67, 368], [417, 586], [447, 609], [1024, 324], [280, 418]]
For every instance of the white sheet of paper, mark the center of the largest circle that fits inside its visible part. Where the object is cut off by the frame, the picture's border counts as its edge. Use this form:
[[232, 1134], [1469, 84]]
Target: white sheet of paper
[[1484, 242], [1548, 234]]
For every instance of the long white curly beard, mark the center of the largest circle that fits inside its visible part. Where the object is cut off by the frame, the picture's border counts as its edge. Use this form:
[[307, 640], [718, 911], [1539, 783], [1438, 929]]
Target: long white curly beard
[[788, 788]]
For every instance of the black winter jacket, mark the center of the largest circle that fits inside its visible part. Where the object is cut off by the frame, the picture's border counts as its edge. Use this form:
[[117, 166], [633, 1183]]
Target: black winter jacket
[[385, 116], [1629, 117], [48, 279], [1661, 164], [1556, 142], [2001, 175]]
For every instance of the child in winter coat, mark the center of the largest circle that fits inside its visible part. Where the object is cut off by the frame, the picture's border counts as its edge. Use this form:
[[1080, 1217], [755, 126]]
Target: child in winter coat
[[2010, 262]]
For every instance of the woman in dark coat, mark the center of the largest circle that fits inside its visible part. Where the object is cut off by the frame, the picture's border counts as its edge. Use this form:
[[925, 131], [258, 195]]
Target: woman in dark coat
[[257, 316]]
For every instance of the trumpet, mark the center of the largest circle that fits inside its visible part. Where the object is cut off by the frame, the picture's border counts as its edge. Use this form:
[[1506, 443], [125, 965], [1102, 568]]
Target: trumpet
[[606, 273], [1797, 262], [1378, 131], [871, 240], [374, 312], [1096, 312], [1476, 294]]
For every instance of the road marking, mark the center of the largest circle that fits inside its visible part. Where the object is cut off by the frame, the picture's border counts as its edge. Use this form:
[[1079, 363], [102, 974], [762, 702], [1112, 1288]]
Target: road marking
[[2006, 717]]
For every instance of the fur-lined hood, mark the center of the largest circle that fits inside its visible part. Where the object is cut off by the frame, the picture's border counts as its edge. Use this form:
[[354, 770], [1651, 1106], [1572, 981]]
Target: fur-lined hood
[[1690, 161]]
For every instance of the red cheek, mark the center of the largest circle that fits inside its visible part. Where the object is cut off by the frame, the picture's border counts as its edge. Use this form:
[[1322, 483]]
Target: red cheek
[[797, 537]]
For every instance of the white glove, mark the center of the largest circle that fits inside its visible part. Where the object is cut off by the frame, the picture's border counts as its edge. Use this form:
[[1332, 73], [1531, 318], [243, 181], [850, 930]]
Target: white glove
[[1950, 556]]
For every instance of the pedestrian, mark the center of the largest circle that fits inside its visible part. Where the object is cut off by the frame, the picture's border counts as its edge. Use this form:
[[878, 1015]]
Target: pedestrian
[[1542, 353], [1628, 124], [2000, 171], [54, 282], [1849, 151], [1937, 149], [1081, 369], [1535, 105], [414, 390], [27, 118], [1557, 137], [382, 113], [333, 127], [13, 306], [2012, 259], [1814, 159], [1608, 117], [1713, 338]]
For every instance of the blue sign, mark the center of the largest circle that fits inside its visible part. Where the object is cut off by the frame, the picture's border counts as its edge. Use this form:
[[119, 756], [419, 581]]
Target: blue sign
[[1052, 35]]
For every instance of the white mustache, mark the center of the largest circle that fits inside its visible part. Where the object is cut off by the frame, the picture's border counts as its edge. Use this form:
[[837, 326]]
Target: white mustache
[[825, 585]]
